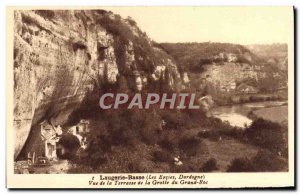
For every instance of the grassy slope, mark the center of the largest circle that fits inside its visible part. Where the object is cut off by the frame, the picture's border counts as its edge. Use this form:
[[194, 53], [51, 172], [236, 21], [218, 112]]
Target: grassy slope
[[139, 158], [275, 114]]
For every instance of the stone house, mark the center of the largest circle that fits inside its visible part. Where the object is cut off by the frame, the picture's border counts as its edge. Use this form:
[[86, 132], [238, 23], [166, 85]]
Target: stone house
[[45, 144], [81, 128], [50, 135]]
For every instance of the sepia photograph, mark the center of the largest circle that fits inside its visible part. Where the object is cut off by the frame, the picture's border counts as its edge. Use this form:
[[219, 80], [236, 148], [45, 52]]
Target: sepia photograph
[[139, 97]]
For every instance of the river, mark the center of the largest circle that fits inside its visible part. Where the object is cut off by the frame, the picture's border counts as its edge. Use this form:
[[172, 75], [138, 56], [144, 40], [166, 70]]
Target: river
[[236, 115]]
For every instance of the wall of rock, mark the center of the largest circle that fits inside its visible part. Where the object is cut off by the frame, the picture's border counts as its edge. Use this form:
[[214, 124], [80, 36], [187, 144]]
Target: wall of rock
[[59, 57]]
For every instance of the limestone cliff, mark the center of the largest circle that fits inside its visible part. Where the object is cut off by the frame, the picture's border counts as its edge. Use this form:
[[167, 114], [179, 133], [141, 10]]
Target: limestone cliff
[[224, 69], [60, 56]]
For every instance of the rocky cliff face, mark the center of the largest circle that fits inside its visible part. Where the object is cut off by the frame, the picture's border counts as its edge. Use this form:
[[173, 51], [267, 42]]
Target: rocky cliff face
[[61, 56], [223, 69]]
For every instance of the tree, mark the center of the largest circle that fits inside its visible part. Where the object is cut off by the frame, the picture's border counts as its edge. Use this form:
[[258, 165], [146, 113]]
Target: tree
[[209, 165], [266, 134], [70, 143]]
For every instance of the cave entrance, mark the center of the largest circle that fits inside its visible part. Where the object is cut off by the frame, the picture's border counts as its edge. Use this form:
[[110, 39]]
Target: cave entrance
[[101, 51]]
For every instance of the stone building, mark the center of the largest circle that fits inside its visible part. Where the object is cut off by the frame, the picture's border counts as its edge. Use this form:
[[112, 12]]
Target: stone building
[[46, 144], [80, 131]]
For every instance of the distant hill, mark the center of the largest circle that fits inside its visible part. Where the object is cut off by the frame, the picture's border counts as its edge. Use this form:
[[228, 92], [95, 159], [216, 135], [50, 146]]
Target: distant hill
[[269, 50], [273, 53], [220, 68], [191, 57]]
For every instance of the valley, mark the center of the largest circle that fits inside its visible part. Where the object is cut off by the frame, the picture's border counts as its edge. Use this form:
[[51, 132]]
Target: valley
[[65, 60]]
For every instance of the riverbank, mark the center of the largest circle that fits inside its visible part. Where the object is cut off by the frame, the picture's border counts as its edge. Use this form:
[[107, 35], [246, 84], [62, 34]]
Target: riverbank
[[235, 99], [276, 114]]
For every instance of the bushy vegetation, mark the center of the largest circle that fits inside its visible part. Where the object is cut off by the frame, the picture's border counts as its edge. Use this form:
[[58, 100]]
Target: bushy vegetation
[[209, 166], [189, 146], [130, 129], [263, 133], [264, 161], [162, 156], [135, 141], [241, 165], [269, 135], [71, 144], [221, 129]]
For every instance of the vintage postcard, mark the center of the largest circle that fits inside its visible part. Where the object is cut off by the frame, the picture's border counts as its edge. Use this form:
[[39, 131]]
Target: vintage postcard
[[150, 97]]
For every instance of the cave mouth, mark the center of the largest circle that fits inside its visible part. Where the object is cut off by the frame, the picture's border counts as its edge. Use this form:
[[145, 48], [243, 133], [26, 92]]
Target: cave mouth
[[101, 51]]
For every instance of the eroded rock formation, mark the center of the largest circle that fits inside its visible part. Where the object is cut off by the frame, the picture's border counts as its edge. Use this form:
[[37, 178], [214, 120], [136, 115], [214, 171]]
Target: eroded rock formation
[[60, 56]]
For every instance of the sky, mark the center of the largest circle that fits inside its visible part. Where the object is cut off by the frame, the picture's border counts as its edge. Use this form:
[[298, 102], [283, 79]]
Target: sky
[[242, 25]]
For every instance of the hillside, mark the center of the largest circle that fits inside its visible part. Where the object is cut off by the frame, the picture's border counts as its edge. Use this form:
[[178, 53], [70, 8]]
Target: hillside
[[269, 50], [223, 69], [273, 53], [192, 56]]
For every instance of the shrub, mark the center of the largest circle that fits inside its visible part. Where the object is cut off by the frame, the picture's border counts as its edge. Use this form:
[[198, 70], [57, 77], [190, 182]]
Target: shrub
[[130, 137], [252, 115], [263, 161], [70, 143], [99, 142], [94, 154], [209, 165], [189, 145], [141, 166], [187, 166], [122, 129], [168, 143], [195, 116], [221, 129], [96, 159], [266, 161], [176, 120], [162, 156], [241, 165], [204, 134], [150, 129], [266, 134]]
